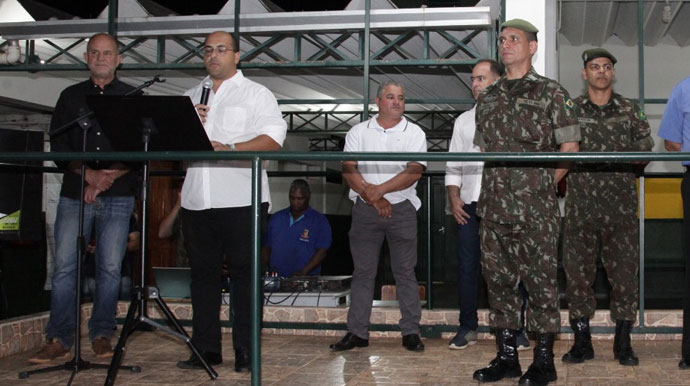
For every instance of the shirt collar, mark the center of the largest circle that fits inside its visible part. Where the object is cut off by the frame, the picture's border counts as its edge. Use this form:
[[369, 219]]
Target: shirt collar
[[522, 83], [614, 101], [236, 80], [374, 124], [293, 221], [112, 83]]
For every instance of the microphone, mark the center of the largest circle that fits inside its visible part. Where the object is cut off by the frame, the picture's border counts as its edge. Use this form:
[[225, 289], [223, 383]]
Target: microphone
[[205, 91]]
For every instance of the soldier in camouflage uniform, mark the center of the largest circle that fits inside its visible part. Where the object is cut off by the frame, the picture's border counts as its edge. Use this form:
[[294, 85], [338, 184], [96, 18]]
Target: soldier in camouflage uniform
[[522, 112], [601, 209]]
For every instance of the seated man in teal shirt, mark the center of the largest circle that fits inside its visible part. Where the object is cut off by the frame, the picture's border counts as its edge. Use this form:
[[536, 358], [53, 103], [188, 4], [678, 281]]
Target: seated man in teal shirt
[[298, 237]]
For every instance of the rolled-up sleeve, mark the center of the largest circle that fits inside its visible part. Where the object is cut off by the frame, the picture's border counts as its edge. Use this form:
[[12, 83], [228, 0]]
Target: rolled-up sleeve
[[269, 119]]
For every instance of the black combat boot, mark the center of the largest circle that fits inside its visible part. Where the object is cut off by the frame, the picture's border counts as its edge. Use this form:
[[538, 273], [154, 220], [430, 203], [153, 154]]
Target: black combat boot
[[542, 370], [621, 344], [506, 363], [582, 347]]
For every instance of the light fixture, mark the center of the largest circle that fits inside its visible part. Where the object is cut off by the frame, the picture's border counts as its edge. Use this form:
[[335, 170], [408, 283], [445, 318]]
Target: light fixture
[[666, 14]]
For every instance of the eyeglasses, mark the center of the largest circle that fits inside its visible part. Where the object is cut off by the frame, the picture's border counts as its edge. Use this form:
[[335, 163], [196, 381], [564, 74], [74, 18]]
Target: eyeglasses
[[220, 50], [596, 67]]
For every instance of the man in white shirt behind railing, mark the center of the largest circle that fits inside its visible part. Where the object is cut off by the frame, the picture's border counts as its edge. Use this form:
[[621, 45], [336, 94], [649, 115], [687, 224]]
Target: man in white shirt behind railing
[[463, 184]]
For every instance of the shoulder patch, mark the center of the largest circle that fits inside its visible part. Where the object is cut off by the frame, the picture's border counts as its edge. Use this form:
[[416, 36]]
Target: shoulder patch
[[641, 115], [568, 102]]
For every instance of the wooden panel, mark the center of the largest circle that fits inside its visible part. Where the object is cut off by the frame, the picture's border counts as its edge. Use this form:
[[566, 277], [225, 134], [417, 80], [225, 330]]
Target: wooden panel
[[162, 197]]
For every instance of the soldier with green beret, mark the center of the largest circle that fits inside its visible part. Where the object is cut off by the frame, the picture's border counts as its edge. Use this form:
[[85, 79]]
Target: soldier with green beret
[[601, 210], [522, 112]]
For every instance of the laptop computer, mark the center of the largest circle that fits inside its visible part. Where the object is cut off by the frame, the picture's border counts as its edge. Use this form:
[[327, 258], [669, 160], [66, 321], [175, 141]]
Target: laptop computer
[[173, 282]]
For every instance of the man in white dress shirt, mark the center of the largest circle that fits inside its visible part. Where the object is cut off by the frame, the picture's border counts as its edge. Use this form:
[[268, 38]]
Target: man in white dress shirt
[[463, 183], [240, 115]]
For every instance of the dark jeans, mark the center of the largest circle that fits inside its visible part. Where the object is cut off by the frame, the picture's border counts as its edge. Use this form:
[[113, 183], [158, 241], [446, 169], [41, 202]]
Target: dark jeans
[[110, 218], [685, 194], [210, 236], [469, 254]]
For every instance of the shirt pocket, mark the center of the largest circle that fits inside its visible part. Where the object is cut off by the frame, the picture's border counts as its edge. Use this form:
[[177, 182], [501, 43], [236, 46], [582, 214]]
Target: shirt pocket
[[233, 124]]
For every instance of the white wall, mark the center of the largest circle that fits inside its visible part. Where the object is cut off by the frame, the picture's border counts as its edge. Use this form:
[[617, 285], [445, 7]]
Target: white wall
[[34, 88], [536, 11], [665, 65]]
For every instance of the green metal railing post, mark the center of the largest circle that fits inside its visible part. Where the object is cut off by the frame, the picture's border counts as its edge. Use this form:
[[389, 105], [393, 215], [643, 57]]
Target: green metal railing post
[[257, 299], [112, 17], [641, 242], [236, 34], [367, 60], [429, 246], [640, 81]]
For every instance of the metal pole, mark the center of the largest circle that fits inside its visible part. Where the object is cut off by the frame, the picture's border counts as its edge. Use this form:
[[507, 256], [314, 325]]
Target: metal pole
[[640, 51], [236, 34], [641, 242], [429, 258], [256, 274], [112, 17], [640, 81], [366, 58]]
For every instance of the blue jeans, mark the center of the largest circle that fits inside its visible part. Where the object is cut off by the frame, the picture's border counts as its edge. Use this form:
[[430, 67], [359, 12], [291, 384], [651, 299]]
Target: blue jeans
[[469, 254], [109, 217]]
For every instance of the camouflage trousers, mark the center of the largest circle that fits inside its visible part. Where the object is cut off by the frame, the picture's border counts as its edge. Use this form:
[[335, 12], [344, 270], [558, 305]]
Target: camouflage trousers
[[619, 247], [524, 252]]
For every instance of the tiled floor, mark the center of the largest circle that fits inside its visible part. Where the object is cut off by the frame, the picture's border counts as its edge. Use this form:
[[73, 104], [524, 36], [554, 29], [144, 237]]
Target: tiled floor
[[304, 360]]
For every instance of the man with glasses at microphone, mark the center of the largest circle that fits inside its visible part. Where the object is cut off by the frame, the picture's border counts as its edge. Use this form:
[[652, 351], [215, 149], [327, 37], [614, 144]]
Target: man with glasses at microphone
[[240, 115]]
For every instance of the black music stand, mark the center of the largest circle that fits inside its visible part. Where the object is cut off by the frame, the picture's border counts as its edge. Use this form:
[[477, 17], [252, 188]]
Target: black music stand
[[144, 123]]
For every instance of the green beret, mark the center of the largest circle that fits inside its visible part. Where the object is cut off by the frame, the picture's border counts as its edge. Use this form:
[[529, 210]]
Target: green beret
[[597, 53], [520, 24]]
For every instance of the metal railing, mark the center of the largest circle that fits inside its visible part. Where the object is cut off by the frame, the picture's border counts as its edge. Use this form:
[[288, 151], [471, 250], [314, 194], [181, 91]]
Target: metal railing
[[257, 157]]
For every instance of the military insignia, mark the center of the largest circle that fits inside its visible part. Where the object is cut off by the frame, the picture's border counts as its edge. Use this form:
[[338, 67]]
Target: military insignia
[[641, 115], [569, 102], [305, 235], [489, 97]]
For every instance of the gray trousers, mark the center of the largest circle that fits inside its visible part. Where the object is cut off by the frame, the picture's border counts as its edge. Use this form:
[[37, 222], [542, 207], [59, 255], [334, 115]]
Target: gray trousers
[[366, 237]]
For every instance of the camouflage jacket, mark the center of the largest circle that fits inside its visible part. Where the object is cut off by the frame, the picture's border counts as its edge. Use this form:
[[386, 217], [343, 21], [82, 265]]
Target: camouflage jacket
[[606, 192], [531, 114]]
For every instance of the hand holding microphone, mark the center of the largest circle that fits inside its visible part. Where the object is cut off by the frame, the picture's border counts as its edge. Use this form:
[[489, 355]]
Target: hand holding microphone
[[202, 108]]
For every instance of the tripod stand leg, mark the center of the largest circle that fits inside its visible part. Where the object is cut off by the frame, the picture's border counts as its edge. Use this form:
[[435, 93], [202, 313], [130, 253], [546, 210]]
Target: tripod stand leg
[[127, 328], [172, 319]]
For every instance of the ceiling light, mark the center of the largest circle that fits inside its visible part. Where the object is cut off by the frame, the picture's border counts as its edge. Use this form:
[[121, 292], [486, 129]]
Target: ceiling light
[[666, 14]]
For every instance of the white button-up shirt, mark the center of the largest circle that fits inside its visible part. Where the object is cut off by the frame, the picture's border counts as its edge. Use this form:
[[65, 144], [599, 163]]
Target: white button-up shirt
[[369, 136], [240, 110], [466, 175]]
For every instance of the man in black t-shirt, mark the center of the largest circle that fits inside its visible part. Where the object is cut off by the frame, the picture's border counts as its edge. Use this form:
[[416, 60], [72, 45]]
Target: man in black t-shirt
[[109, 201]]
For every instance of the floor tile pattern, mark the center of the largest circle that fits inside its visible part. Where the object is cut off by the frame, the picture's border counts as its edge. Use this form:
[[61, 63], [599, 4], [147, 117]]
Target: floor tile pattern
[[306, 360]]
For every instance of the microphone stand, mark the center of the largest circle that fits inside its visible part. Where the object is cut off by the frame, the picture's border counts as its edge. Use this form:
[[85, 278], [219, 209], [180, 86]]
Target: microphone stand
[[137, 314], [77, 364]]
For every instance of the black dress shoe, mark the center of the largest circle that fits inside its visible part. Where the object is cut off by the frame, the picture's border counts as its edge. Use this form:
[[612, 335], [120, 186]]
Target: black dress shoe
[[684, 364], [349, 342], [412, 342], [242, 360], [193, 363]]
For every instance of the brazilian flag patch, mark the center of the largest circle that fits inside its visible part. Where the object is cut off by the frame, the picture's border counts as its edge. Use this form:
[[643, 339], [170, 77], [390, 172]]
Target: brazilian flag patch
[[568, 102], [641, 115]]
